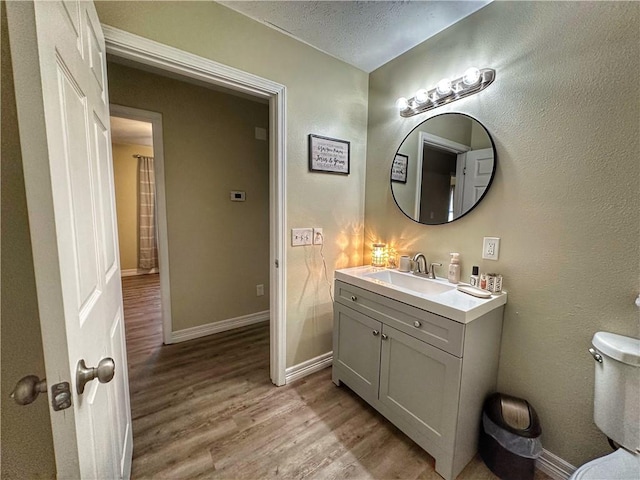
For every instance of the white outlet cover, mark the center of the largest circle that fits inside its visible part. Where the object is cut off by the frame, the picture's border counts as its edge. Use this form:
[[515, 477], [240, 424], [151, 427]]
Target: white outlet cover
[[318, 236], [490, 248]]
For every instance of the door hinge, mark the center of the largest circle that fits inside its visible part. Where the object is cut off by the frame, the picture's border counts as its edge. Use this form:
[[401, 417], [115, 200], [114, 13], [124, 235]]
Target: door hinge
[[277, 264]]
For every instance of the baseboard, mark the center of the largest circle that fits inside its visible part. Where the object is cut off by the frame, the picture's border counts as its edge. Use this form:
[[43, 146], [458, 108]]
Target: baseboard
[[554, 466], [308, 367], [132, 272], [217, 327]]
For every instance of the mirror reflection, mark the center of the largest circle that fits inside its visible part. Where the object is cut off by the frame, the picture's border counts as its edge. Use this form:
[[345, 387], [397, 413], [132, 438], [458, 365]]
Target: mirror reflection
[[443, 168]]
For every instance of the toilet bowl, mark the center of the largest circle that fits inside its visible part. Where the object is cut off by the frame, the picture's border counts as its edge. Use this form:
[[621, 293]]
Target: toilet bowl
[[616, 407], [619, 465]]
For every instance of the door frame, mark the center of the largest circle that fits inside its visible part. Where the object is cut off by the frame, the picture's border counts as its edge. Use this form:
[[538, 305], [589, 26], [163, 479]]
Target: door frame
[[434, 140], [155, 119], [131, 47]]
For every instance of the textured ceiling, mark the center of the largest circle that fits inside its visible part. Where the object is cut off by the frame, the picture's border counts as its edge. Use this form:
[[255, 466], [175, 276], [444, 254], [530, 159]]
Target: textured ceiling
[[364, 34], [131, 132]]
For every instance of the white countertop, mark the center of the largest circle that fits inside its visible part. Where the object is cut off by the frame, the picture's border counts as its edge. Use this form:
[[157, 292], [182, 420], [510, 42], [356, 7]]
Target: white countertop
[[452, 304]]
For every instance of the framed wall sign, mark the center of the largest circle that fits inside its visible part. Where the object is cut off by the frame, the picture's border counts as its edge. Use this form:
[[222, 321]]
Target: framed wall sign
[[399, 168], [328, 155]]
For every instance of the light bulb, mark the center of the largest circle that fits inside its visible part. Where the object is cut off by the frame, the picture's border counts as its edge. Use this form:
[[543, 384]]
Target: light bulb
[[471, 76], [422, 96], [402, 103], [444, 87]]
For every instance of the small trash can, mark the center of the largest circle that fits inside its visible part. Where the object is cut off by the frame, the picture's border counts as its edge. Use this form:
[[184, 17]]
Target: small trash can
[[510, 437]]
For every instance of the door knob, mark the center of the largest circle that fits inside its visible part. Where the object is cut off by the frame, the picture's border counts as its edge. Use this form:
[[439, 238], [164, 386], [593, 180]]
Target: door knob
[[376, 333], [384, 337], [103, 372], [28, 388], [417, 324]]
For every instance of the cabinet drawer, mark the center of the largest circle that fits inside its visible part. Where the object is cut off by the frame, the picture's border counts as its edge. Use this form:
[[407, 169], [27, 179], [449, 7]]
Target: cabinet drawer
[[438, 331]]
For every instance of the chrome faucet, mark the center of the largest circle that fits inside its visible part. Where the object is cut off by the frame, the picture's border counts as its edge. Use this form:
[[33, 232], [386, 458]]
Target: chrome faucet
[[428, 270], [418, 269]]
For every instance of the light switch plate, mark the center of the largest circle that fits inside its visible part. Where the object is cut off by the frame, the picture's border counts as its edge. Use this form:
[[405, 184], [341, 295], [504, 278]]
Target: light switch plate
[[318, 236], [490, 248], [301, 236]]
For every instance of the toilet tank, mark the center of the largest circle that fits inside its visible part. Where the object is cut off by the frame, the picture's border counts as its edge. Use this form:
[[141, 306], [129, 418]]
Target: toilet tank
[[616, 408]]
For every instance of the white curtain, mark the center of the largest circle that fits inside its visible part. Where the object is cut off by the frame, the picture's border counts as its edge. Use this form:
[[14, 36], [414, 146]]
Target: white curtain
[[147, 244]]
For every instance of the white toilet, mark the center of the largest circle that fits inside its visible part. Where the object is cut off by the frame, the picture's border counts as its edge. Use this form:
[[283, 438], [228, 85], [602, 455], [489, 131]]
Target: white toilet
[[616, 407]]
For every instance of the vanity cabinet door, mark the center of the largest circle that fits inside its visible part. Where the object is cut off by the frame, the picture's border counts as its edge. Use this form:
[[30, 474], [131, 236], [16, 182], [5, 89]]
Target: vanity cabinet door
[[419, 385], [356, 351]]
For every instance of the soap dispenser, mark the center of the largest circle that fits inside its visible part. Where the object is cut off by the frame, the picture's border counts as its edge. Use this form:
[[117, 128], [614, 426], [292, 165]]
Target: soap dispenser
[[454, 268]]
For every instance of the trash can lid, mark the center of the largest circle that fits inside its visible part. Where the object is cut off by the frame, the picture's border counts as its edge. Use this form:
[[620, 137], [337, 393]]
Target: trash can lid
[[513, 414]]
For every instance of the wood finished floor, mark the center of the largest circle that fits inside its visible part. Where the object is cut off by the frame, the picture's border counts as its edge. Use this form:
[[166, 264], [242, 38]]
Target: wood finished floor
[[207, 409]]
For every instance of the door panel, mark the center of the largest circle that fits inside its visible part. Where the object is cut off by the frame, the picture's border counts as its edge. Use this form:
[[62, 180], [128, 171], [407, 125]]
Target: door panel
[[419, 383], [479, 167], [102, 144], [357, 351], [59, 66]]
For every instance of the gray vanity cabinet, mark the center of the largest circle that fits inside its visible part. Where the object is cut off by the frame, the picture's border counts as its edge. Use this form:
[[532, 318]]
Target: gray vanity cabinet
[[427, 374]]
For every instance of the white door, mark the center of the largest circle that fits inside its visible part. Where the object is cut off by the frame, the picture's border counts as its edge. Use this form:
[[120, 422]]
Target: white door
[[478, 170], [59, 67]]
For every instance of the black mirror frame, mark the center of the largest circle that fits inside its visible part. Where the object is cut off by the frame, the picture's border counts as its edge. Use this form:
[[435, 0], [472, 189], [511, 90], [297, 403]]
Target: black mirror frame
[[493, 173]]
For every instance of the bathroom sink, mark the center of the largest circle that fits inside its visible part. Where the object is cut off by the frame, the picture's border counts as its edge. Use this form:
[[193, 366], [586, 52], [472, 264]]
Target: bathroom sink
[[436, 296], [412, 282]]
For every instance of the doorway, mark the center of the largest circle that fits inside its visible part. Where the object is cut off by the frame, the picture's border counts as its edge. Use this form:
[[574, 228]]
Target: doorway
[[143, 52], [147, 138]]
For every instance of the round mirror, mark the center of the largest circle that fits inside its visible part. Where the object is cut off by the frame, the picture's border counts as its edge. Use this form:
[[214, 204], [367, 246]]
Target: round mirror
[[443, 168]]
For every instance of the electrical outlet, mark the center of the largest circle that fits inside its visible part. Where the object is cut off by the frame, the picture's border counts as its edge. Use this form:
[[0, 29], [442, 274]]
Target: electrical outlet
[[490, 248], [301, 236], [318, 236], [259, 290]]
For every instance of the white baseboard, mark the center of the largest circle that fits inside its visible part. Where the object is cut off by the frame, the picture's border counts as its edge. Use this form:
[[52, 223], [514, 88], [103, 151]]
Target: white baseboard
[[132, 272], [308, 367], [554, 466], [217, 327]]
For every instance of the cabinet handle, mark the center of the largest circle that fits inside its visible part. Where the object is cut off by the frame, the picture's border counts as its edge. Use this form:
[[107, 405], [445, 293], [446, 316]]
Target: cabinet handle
[[354, 298], [417, 324], [384, 337], [375, 333]]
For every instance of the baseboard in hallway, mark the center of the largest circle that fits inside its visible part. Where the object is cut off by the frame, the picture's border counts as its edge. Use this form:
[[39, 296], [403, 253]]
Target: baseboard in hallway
[[133, 272], [218, 327]]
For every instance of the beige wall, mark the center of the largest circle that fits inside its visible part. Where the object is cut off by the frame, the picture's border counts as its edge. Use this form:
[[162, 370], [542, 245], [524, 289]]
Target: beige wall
[[218, 249], [125, 173], [324, 96], [563, 112], [27, 442]]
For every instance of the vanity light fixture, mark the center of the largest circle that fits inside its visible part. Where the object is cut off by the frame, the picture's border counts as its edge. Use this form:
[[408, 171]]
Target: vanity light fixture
[[378, 255], [472, 81]]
